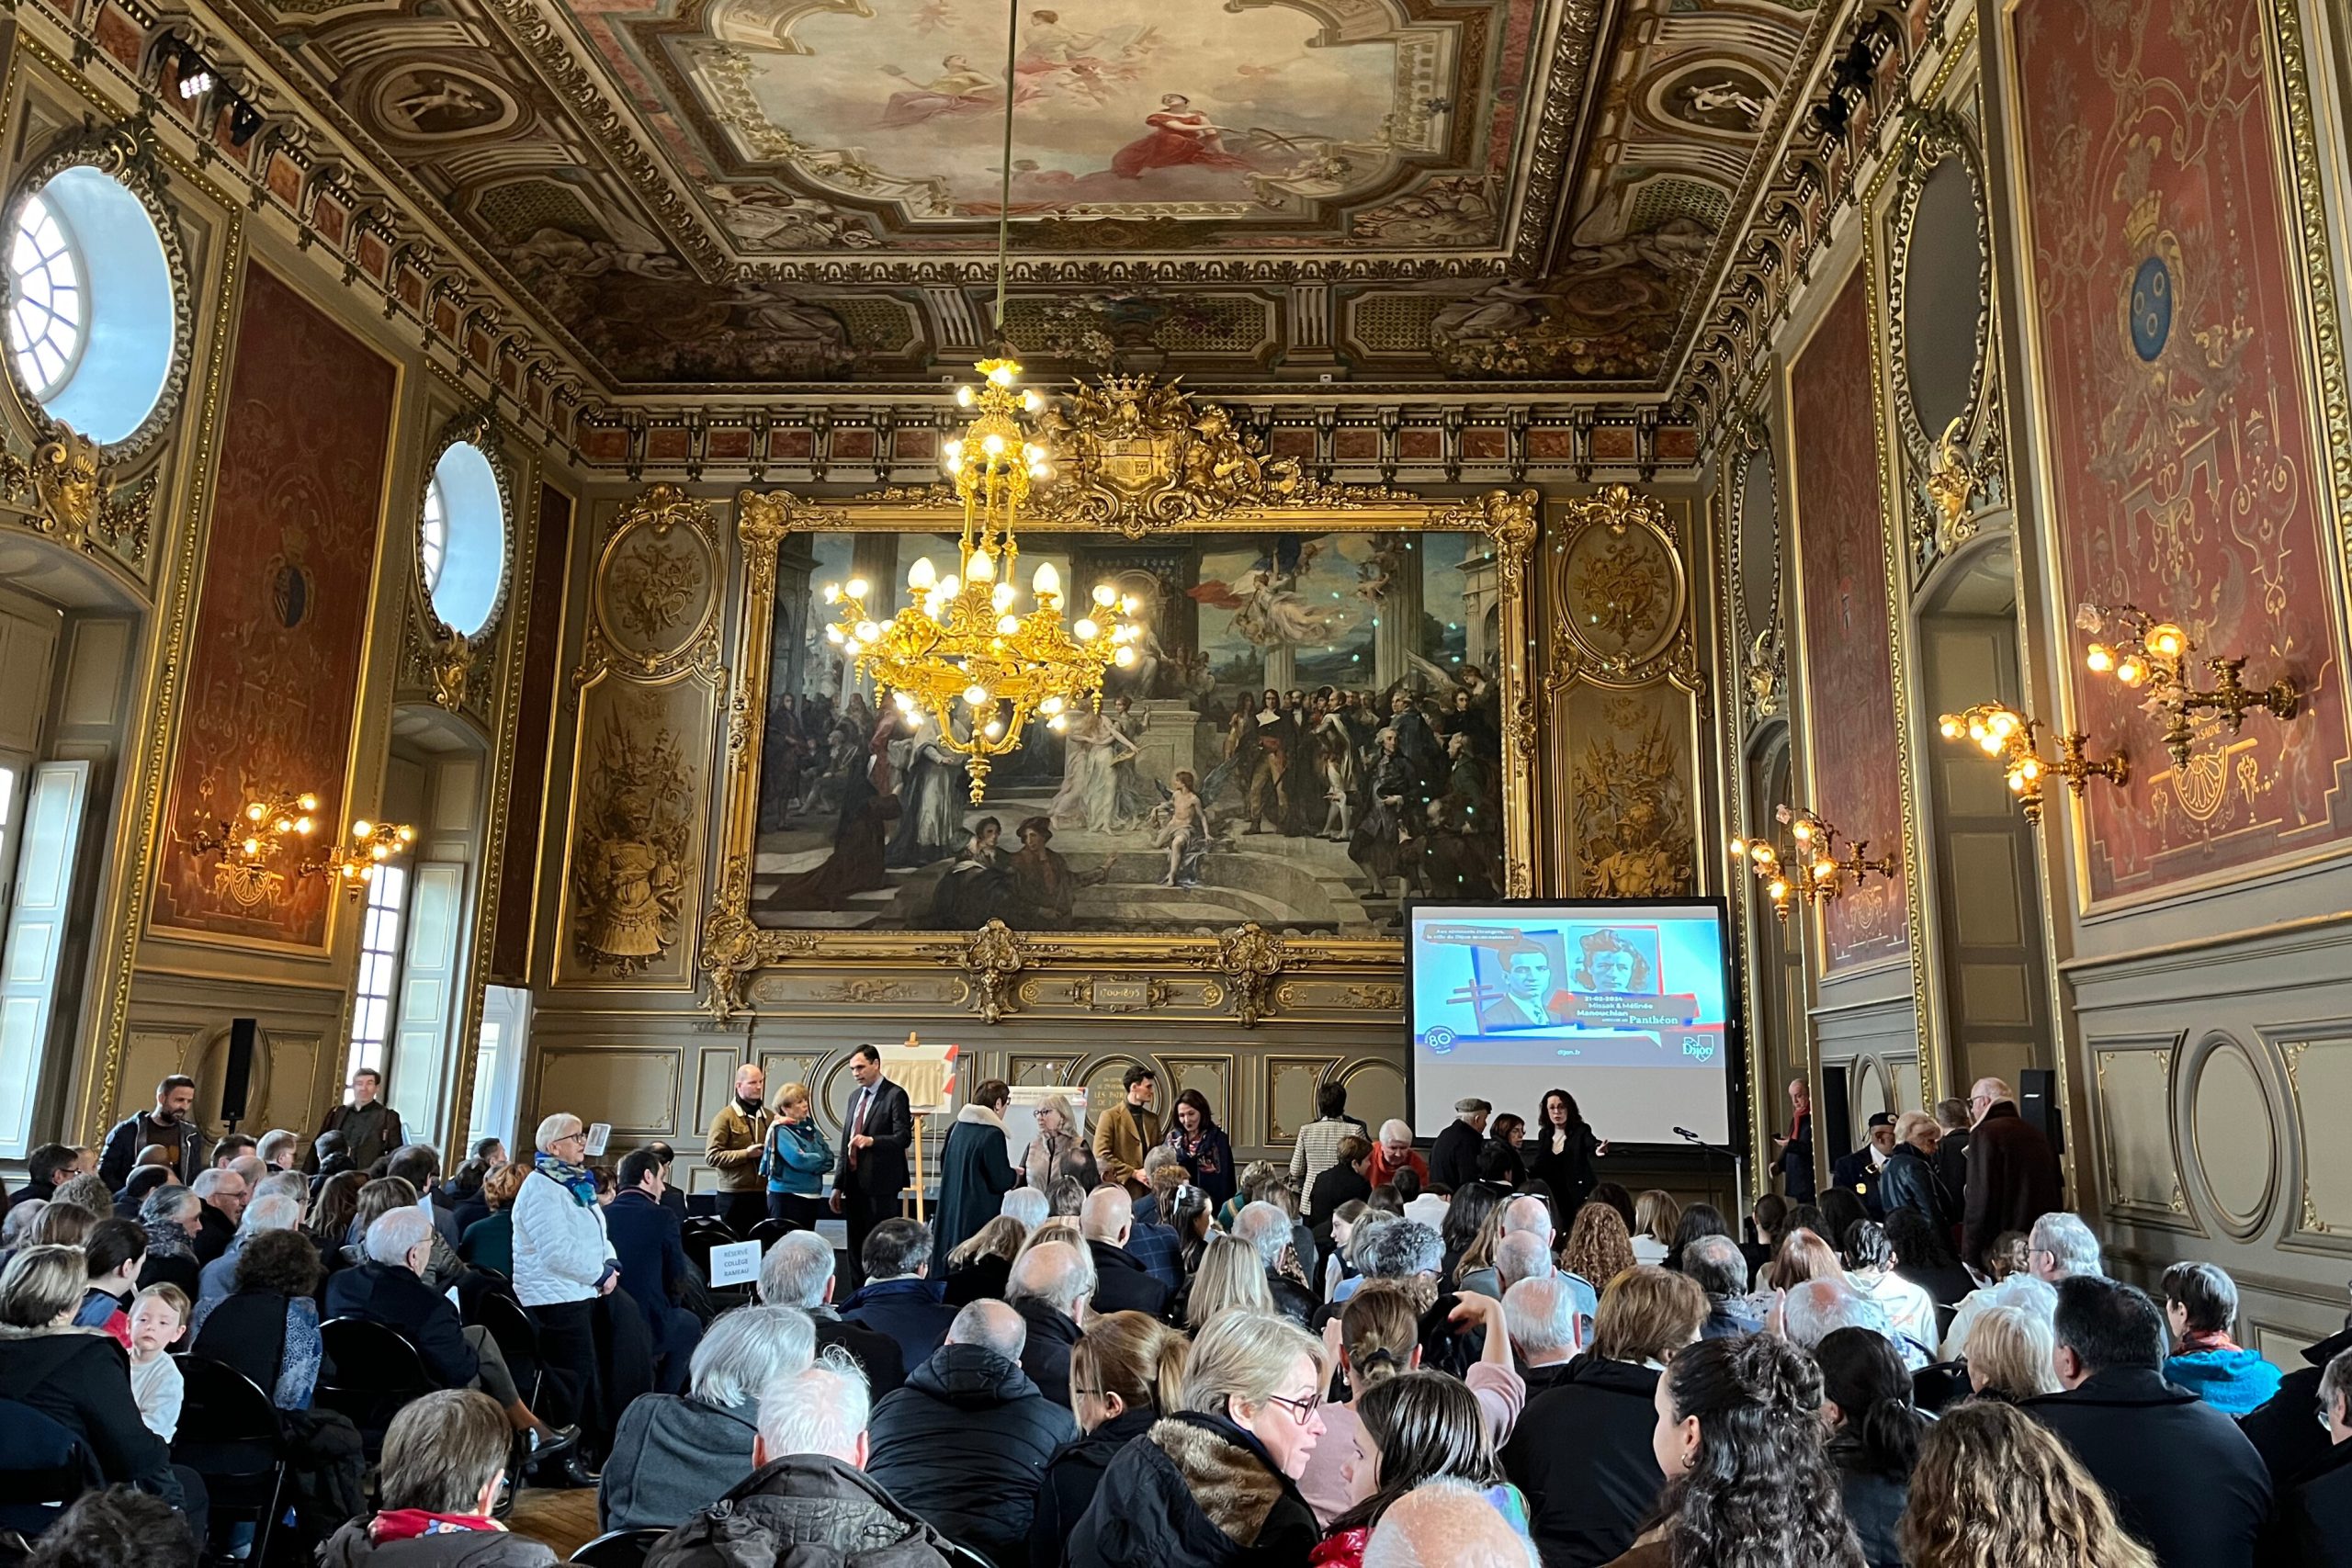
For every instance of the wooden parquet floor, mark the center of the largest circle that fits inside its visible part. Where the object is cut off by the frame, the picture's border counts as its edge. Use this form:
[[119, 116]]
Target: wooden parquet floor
[[563, 1518]]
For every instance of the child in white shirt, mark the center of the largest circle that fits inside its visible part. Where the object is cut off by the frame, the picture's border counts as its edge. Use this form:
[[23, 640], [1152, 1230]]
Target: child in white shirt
[[158, 1313]]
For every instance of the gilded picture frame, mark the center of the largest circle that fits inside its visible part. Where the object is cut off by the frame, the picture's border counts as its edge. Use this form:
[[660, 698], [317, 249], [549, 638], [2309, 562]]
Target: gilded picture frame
[[1141, 463]]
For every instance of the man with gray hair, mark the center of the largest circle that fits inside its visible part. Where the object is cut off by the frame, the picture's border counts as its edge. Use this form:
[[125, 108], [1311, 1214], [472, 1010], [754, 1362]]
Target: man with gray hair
[[1446, 1523], [672, 1455], [1812, 1311], [1399, 1250], [2013, 1173], [798, 1272], [1716, 1265], [1267, 1227], [388, 1287], [965, 1443], [1527, 1220], [1453, 1158], [1540, 1316], [223, 1193], [807, 1493], [2061, 1248], [1050, 1287], [270, 1211]]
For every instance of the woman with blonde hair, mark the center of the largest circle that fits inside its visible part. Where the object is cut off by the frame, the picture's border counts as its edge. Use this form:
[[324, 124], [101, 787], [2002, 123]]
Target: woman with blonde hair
[[1995, 1488], [1125, 1371], [982, 1267], [1056, 1141], [1213, 1485], [1655, 1216], [1230, 1278], [488, 1242], [1598, 1249], [2009, 1355], [794, 1159]]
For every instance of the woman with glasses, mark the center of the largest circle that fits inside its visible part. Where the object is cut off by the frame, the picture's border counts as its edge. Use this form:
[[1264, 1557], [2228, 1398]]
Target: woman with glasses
[[1125, 1371], [564, 1265], [1213, 1483]]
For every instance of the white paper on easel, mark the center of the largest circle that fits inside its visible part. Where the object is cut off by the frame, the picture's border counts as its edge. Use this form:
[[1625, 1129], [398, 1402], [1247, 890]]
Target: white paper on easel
[[737, 1263], [1021, 1116], [926, 1071], [600, 1138]]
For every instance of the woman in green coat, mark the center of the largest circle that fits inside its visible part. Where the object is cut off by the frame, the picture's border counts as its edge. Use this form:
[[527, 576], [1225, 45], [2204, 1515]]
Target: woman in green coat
[[975, 1171]]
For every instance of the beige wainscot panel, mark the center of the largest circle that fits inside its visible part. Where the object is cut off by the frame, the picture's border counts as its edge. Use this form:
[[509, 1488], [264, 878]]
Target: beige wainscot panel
[[2319, 1082], [2132, 1107], [1376, 1092], [1291, 1082], [635, 1089], [2231, 1134]]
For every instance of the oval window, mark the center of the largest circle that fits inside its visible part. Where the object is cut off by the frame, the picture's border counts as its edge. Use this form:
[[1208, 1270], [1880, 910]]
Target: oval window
[[90, 304], [461, 542]]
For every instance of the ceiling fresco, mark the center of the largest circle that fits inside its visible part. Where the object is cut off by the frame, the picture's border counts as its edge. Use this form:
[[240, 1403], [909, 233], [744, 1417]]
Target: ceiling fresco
[[697, 193]]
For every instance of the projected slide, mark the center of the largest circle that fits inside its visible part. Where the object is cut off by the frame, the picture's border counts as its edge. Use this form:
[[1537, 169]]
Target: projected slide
[[1625, 1005]]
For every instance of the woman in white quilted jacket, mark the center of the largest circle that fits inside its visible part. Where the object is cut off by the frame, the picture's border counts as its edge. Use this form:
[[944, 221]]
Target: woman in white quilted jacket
[[563, 1264]]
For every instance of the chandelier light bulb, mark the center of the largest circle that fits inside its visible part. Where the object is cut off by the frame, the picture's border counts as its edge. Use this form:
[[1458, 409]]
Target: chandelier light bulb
[[1059, 723], [1802, 830], [1008, 624], [1778, 890], [1002, 597], [993, 728], [2017, 784], [1951, 728], [1084, 630], [2003, 725], [963, 400], [283, 825], [2101, 659], [922, 577], [867, 631], [1105, 595], [1824, 870], [906, 701], [2168, 641], [853, 647], [857, 588], [1738, 846], [976, 696], [1030, 402], [1051, 706], [303, 825], [992, 444], [833, 636], [982, 567], [1039, 471], [1124, 658], [1991, 743], [256, 811], [308, 802], [252, 847], [1047, 584], [1127, 605], [832, 593], [1002, 372], [1764, 855]]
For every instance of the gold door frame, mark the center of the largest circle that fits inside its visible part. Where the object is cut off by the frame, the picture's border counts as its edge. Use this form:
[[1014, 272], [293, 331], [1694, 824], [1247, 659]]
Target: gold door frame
[[1142, 462]]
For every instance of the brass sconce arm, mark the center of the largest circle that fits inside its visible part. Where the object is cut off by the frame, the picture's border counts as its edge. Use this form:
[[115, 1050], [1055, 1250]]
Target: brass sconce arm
[[1808, 870], [2152, 656], [2002, 732]]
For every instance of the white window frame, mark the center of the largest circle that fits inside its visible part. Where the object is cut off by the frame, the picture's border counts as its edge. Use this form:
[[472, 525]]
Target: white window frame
[[376, 984]]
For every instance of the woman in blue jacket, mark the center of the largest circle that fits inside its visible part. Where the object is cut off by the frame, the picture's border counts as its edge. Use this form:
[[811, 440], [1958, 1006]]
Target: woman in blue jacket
[[795, 1159], [2200, 1308]]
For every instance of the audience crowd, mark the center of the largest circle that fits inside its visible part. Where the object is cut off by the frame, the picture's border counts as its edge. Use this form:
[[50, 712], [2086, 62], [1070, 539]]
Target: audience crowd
[[1121, 1352]]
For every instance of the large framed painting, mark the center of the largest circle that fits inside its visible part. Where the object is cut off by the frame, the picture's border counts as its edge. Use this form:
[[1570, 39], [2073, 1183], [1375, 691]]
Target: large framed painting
[[1326, 717]]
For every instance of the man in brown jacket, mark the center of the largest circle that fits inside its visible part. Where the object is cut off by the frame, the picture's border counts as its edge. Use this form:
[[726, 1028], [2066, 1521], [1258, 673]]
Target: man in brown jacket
[[2014, 1177], [1127, 1132], [739, 1134]]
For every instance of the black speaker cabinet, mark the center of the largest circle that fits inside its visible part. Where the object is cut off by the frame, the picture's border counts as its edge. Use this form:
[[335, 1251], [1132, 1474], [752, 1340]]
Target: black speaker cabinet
[[239, 1078], [1833, 1119], [2037, 1103]]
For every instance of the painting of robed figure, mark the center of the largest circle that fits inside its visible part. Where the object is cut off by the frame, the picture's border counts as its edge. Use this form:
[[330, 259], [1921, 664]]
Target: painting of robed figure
[[1311, 733]]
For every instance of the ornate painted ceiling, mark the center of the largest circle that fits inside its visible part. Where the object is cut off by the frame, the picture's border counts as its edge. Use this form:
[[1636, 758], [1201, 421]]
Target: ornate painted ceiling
[[697, 193]]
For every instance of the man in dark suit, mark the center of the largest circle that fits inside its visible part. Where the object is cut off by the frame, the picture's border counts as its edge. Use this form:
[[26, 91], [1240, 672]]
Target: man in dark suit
[[1858, 1172], [646, 1239], [1453, 1158], [2013, 1175], [870, 1169], [673, 1197], [1951, 1145], [418, 1165], [1122, 1283], [1793, 1154], [2181, 1475]]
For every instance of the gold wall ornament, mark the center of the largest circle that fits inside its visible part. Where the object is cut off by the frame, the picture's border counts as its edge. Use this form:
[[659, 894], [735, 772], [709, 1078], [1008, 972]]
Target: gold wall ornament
[[1251, 958], [2152, 657], [1807, 870], [1764, 674], [1632, 807], [637, 821], [449, 661], [654, 602], [990, 959], [2002, 732], [1623, 594]]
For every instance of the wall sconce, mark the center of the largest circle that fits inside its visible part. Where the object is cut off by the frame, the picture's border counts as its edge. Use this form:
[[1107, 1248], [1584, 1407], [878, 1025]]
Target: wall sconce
[[2150, 656], [1809, 872], [2002, 732], [248, 846]]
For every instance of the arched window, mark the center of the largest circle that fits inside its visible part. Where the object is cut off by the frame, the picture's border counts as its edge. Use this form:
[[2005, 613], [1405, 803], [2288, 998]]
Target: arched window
[[461, 539], [91, 304]]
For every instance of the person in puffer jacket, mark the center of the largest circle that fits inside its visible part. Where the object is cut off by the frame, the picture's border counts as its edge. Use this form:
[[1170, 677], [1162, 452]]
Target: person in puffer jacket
[[806, 1499], [444, 1464], [963, 1441], [2200, 1307]]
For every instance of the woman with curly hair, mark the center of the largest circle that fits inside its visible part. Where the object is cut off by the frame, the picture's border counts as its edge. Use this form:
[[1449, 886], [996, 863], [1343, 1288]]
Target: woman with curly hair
[[1995, 1488], [268, 1327], [1598, 1247], [1747, 1484]]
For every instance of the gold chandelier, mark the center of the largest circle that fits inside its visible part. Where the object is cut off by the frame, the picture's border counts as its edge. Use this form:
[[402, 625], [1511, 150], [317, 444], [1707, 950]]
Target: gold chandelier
[[961, 655], [247, 847], [1809, 874]]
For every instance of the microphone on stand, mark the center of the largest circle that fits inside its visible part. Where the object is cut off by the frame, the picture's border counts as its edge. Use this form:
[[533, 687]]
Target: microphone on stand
[[1688, 1136]]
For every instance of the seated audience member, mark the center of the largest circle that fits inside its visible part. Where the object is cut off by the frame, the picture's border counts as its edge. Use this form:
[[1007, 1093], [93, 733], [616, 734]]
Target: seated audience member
[[1359, 1236], [2061, 1248], [1347, 1179], [113, 1254], [1468, 1213], [2314, 1525], [1121, 1282], [1809, 1312], [1029, 1206], [15, 1231], [1380, 1336], [1150, 1238], [1994, 1487], [158, 1317], [1716, 1265], [1540, 1315], [61, 1224], [1126, 1372], [1699, 1220], [1446, 1523], [1156, 1159], [1739, 1438], [379, 1197], [964, 1442], [330, 1155], [280, 1150], [675, 1455], [2180, 1474], [77, 1379], [1193, 1217], [1065, 1195], [223, 1193], [1766, 1218], [1229, 1279], [488, 1242], [1519, 1255], [798, 1272], [1338, 1264], [1395, 1153], [1581, 1452], [2282, 1430], [116, 1527], [1655, 1215], [1923, 1255], [1413, 1429], [1213, 1483], [2008, 1353], [271, 1212], [461, 1197], [1404, 1253], [171, 1217], [389, 1289], [2200, 1308], [334, 1199], [1598, 1247], [1841, 1210], [980, 1269], [899, 1298], [418, 1165], [1050, 1286], [46, 1168], [1267, 1228], [267, 1326], [445, 1462], [1871, 1273], [648, 1242], [1873, 1436], [807, 1499]]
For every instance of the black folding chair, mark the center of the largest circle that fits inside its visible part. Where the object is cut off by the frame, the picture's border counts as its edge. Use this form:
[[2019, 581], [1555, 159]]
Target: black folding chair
[[963, 1556], [44, 1466], [229, 1434], [618, 1549], [377, 1372], [518, 1341], [767, 1233]]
